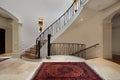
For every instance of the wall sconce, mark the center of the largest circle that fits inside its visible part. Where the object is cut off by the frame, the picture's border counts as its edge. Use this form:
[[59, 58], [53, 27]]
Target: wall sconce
[[41, 24]]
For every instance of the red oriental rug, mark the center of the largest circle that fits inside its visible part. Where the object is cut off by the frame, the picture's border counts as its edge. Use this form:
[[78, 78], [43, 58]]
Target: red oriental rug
[[65, 71]]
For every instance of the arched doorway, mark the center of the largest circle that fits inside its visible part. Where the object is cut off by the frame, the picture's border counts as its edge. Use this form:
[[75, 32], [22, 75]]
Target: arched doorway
[[108, 35], [2, 41], [11, 25], [116, 36]]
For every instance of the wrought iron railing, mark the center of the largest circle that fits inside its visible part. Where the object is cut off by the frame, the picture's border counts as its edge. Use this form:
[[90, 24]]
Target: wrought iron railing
[[59, 24]]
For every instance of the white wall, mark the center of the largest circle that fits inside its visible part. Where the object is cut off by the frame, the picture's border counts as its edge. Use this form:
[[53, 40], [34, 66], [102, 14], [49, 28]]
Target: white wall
[[28, 12], [88, 32]]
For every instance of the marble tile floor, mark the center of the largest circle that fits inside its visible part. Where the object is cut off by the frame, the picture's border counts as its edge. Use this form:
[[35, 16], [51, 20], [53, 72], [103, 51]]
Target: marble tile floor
[[6, 55], [19, 69]]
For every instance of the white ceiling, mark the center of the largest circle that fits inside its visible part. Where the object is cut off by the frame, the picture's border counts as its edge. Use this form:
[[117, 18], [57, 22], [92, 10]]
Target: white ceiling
[[50, 6], [31, 8], [29, 11], [98, 5]]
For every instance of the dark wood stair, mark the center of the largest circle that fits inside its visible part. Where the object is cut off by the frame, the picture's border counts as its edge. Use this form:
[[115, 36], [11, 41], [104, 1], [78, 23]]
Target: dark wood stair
[[31, 53]]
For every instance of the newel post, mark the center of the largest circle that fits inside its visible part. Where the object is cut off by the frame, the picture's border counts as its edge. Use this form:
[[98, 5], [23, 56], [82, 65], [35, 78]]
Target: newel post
[[49, 37], [38, 49]]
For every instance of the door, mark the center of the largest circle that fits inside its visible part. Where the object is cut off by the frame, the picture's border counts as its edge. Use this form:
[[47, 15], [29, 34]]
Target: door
[[2, 41]]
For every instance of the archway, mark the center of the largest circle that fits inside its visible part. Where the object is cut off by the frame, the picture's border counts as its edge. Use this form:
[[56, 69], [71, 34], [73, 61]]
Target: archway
[[11, 25], [116, 35], [107, 35]]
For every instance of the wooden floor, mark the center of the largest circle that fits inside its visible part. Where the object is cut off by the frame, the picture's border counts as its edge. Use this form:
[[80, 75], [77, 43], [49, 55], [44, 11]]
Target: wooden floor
[[116, 58], [115, 61], [29, 56]]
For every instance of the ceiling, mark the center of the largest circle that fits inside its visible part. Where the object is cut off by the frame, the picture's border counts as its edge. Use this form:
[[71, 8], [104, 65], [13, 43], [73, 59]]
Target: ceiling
[[29, 11], [98, 5], [94, 5]]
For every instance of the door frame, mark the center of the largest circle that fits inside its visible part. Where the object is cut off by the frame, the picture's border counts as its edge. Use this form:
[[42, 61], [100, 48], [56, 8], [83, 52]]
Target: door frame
[[12, 25], [4, 42]]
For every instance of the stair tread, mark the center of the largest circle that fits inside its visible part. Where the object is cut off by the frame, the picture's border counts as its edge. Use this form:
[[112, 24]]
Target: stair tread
[[33, 48], [26, 55], [29, 51]]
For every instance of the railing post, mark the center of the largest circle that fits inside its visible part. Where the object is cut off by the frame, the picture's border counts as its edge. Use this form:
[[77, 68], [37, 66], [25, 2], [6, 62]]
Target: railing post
[[49, 37], [38, 50]]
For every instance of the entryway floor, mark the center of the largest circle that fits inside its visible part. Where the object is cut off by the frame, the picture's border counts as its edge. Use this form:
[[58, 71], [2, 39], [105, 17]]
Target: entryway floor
[[6, 55], [19, 69]]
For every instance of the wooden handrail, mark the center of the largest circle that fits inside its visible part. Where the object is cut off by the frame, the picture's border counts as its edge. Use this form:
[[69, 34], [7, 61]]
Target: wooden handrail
[[85, 49], [68, 43]]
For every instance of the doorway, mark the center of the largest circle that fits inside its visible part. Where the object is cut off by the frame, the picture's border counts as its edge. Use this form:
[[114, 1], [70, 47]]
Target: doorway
[[111, 31], [2, 41], [116, 36]]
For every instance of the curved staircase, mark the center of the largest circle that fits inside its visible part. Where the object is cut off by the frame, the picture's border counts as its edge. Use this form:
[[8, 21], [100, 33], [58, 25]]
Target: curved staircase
[[59, 26], [31, 53]]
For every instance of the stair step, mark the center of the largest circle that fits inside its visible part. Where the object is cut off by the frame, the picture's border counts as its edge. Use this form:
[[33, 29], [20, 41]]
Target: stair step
[[31, 52], [29, 56], [33, 48]]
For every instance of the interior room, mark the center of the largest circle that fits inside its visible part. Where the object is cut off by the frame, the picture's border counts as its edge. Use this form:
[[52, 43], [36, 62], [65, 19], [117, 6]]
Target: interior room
[[59, 40]]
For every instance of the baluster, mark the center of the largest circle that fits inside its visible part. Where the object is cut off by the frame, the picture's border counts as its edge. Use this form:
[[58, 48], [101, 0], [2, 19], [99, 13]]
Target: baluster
[[67, 17], [52, 30], [57, 49], [62, 19], [79, 4]]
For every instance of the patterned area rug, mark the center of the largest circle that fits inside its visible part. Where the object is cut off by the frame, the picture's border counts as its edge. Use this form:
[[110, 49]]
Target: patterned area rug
[[2, 59], [65, 71]]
